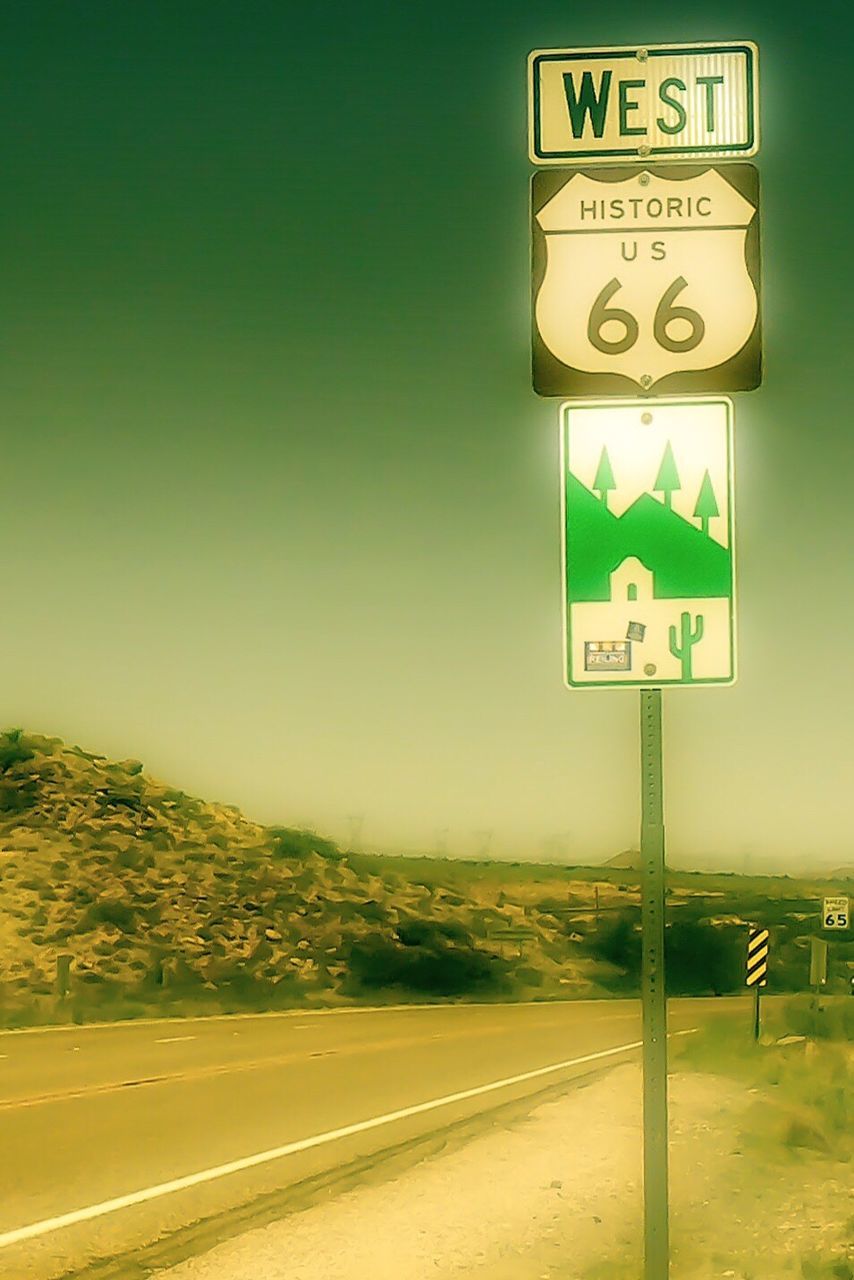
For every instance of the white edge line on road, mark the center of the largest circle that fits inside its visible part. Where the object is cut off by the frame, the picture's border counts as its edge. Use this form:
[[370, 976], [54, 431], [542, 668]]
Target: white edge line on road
[[291, 1148], [174, 1039]]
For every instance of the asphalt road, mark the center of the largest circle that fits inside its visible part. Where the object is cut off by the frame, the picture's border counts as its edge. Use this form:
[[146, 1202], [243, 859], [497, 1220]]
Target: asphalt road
[[234, 1109]]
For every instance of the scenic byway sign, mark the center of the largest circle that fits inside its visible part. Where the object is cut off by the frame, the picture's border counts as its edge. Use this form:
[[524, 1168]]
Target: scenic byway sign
[[675, 101], [649, 573], [646, 280]]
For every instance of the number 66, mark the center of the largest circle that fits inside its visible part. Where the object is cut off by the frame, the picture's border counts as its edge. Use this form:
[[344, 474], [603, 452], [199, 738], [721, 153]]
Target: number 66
[[665, 314]]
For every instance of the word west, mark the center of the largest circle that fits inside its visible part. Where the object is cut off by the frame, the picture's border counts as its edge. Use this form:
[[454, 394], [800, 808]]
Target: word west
[[588, 104]]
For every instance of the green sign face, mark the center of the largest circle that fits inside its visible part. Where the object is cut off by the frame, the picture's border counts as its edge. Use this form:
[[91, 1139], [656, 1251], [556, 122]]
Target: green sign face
[[649, 569]]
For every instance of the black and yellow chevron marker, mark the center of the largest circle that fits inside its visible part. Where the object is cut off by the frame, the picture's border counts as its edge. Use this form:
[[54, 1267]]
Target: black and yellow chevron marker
[[757, 957]]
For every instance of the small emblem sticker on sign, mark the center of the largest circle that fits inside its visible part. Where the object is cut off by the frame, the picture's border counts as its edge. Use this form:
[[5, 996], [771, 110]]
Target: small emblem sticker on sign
[[607, 655]]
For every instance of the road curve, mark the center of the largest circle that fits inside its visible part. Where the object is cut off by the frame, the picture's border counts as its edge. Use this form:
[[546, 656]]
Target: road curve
[[116, 1136]]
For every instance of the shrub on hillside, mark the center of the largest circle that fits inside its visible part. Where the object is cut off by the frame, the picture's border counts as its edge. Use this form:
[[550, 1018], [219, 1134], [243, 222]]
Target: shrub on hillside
[[291, 842], [702, 958], [14, 749], [110, 912], [530, 977], [820, 1019], [432, 933], [619, 942], [134, 858], [17, 794], [370, 910], [433, 966]]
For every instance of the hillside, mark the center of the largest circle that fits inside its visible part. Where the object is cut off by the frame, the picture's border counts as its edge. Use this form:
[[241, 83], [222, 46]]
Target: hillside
[[628, 858], [156, 895], [167, 903], [683, 560]]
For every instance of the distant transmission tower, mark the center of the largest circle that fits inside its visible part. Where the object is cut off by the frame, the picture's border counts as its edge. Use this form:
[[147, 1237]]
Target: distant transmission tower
[[747, 855], [556, 848], [356, 821], [484, 841]]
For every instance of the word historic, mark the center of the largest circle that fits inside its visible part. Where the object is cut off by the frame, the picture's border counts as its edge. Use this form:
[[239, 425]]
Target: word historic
[[653, 208]]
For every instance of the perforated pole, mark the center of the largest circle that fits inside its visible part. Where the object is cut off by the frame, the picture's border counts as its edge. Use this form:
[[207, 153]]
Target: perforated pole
[[756, 1016], [656, 1233]]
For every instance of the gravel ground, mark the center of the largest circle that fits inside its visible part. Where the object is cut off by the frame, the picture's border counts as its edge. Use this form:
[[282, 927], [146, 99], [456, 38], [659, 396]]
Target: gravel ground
[[558, 1197]]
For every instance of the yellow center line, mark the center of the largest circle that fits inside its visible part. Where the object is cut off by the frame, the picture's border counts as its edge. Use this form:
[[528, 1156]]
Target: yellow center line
[[88, 1212]]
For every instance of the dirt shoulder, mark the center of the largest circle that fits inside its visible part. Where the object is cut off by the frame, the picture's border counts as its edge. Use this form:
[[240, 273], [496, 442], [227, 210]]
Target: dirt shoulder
[[558, 1196]]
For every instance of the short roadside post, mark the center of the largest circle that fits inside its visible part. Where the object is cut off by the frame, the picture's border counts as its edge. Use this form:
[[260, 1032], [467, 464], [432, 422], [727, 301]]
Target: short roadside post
[[835, 916], [818, 964], [62, 985], [757, 969], [818, 976], [656, 1231]]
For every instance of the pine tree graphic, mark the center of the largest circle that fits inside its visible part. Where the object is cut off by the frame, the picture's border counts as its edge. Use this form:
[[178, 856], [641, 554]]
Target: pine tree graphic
[[707, 504], [604, 481], [667, 479]]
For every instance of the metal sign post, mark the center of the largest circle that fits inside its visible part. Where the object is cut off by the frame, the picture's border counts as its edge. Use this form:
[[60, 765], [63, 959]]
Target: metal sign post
[[656, 1234], [757, 1024], [646, 282], [818, 964], [757, 969]]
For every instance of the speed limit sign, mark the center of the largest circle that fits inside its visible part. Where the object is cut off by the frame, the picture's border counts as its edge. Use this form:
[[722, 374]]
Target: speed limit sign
[[834, 913], [646, 280]]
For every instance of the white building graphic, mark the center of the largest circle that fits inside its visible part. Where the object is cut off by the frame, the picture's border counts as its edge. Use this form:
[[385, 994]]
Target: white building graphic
[[602, 627]]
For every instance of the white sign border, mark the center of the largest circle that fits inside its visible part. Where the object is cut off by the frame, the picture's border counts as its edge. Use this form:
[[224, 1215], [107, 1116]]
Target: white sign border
[[651, 403], [635, 155], [836, 909]]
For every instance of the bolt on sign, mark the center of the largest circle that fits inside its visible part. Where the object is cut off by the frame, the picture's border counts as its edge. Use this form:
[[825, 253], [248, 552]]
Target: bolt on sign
[[646, 280], [648, 554], [834, 913], [757, 958], [679, 101]]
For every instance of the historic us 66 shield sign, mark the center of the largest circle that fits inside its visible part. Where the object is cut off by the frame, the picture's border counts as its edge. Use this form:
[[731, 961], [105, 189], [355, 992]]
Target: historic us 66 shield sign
[[646, 280]]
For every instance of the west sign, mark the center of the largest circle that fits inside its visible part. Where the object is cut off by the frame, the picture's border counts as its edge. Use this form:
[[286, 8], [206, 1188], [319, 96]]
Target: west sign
[[670, 101], [646, 280], [649, 568]]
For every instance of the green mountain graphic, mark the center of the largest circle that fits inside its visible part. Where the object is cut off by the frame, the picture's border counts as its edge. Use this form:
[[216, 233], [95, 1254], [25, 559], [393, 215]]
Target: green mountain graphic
[[684, 561]]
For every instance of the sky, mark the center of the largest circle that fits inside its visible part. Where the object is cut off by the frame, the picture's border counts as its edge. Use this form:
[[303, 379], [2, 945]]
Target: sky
[[280, 507]]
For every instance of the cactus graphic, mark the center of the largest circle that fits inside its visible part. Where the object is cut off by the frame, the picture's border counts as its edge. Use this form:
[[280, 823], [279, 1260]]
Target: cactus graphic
[[688, 639]]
